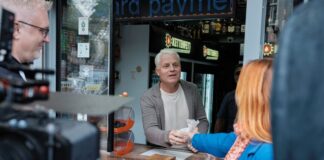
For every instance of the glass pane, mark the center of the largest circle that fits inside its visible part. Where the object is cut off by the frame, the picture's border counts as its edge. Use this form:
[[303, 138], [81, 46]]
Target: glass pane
[[205, 84], [183, 75], [85, 46]]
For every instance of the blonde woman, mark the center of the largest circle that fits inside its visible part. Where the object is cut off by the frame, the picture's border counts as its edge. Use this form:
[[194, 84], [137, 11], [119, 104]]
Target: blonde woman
[[251, 138]]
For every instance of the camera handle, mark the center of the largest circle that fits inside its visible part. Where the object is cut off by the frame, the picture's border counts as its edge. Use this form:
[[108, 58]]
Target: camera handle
[[51, 132], [50, 128], [8, 98]]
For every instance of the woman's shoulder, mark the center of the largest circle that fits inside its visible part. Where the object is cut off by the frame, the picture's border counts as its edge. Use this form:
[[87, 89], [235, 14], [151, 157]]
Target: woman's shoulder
[[266, 147], [265, 152], [218, 137]]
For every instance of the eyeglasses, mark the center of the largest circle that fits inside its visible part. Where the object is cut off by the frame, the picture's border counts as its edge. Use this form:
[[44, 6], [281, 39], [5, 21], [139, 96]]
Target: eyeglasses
[[44, 31]]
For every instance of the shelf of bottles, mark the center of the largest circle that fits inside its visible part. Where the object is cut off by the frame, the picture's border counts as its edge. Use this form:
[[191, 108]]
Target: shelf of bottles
[[215, 29]]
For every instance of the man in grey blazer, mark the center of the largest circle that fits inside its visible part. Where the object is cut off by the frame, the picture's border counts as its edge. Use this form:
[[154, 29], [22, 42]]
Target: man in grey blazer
[[167, 105]]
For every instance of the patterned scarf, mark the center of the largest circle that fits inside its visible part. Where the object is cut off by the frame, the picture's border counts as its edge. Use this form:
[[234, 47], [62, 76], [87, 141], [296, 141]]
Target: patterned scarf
[[239, 145]]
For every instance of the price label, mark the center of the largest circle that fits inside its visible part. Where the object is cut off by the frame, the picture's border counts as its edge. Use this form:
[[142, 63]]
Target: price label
[[83, 26], [83, 50]]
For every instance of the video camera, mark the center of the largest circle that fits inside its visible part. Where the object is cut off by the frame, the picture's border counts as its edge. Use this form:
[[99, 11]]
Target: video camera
[[31, 133]]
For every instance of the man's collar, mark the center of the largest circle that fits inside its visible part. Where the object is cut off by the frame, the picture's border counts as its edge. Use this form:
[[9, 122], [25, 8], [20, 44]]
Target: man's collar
[[13, 60], [166, 90]]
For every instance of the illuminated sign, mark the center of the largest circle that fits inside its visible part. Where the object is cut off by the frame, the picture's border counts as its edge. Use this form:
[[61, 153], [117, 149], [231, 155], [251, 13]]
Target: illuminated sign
[[210, 54], [171, 9], [179, 45], [268, 49]]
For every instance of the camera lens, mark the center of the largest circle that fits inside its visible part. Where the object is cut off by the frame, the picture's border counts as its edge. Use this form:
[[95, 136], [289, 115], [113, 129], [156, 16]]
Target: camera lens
[[10, 150], [18, 147]]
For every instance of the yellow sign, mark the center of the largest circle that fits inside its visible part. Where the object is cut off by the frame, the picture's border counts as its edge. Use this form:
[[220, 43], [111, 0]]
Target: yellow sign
[[268, 49], [177, 44], [210, 53]]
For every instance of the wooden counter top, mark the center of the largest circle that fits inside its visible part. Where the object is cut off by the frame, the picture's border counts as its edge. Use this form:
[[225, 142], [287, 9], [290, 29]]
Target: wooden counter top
[[140, 148]]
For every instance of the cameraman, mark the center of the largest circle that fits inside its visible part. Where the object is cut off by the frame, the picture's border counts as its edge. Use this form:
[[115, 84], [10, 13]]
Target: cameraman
[[31, 27]]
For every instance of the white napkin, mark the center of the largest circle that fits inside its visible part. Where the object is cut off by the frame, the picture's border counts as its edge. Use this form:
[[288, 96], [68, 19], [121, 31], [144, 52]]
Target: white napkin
[[192, 124]]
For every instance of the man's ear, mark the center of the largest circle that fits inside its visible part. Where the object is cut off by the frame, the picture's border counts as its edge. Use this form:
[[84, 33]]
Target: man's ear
[[16, 32], [157, 71]]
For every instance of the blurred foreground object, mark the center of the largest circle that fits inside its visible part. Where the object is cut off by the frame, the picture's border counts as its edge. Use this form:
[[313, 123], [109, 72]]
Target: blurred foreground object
[[124, 94], [66, 102], [31, 135], [297, 102]]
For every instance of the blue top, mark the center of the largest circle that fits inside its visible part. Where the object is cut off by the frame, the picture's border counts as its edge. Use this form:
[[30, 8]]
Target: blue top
[[219, 144]]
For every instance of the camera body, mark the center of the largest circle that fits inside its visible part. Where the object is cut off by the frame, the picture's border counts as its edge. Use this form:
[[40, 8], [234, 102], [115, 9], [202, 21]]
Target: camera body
[[6, 27], [39, 138]]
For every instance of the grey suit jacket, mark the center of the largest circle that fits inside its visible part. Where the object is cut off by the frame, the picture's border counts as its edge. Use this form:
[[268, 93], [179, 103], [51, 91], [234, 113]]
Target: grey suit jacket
[[153, 112]]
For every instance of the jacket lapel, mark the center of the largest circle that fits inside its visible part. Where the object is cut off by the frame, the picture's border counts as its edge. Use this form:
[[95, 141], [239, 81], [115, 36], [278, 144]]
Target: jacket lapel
[[159, 105]]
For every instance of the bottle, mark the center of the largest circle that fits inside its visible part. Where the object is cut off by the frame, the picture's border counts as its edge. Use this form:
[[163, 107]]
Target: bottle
[[181, 30], [187, 31], [242, 28], [212, 27], [206, 26], [224, 27], [237, 27], [194, 31], [231, 27], [199, 31], [218, 27]]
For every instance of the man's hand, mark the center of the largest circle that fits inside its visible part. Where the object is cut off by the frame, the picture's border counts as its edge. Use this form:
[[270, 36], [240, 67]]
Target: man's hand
[[177, 137]]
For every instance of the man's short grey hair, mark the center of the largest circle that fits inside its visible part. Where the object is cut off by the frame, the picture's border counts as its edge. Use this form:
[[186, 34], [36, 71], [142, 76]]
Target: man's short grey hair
[[166, 51], [17, 5]]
